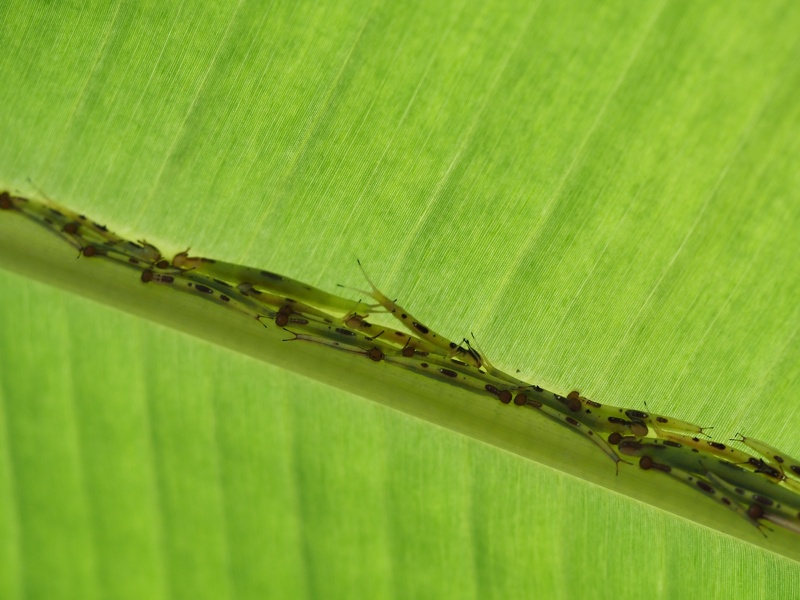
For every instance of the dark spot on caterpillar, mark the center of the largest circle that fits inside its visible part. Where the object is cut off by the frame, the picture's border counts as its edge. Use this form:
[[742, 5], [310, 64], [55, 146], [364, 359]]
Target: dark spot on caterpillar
[[662, 420], [671, 443], [646, 463], [344, 331], [408, 351], [71, 227], [763, 500], [617, 421], [717, 445], [755, 512], [636, 414], [739, 491], [420, 327], [593, 403], [725, 501], [453, 345], [629, 446], [794, 469], [203, 289], [536, 388], [505, 396], [162, 264], [281, 319], [403, 316], [448, 372], [660, 467], [89, 251], [573, 401], [778, 459], [375, 354], [459, 362], [166, 279], [271, 275], [614, 438], [5, 201], [520, 399], [705, 487], [535, 403], [639, 429], [491, 389], [224, 298], [424, 365], [400, 333], [133, 261], [225, 283], [147, 276], [102, 228], [762, 467], [56, 212], [770, 472], [572, 422], [298, 321]]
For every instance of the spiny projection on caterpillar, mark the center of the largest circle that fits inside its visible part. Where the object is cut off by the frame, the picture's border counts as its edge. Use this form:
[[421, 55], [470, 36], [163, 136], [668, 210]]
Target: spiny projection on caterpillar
[[759, 489]]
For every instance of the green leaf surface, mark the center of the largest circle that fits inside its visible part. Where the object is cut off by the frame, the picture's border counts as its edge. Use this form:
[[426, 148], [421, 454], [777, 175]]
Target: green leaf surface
[[605, 194]]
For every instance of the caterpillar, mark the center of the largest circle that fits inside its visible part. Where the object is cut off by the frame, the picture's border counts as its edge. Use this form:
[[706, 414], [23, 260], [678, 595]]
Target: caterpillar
[[775, 458], [218, 292], [262, 280]]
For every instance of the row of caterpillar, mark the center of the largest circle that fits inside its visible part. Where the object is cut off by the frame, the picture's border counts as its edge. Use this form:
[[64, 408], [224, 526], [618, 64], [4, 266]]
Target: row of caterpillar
[[757, 488]]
